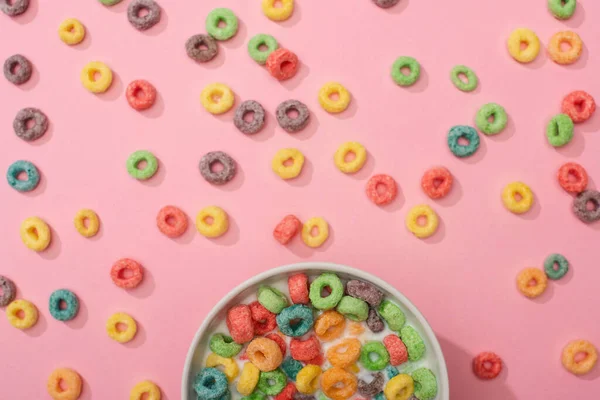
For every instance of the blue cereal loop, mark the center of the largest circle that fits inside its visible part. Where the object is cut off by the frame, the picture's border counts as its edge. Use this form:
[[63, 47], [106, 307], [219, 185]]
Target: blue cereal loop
[[211, 384], [296, 312], [70, 300], [33, 176], [291, 367], [466, 132], [391, 371]]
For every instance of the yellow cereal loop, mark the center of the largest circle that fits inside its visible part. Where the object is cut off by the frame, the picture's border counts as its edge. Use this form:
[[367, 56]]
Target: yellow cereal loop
[[322, 232], [531, 41], [431, 223], [248, 379], [509, 197], [334, 89], [579, 366], [217, 98], [91, 218], [307, 380], [349, 167], [214, 228], [284, 156], [93, 83], [113, 328], [147, 389], [532, 282], [29, 311], [400, 387], [35, 233], [71, 31], [230, 368], [278, 13], [71, 384]]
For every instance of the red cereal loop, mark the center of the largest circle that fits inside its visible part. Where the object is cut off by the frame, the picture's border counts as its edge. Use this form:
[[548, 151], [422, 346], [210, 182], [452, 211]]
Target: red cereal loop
[[287, 229], [282, 64], [579, 105], [305, 350], [389, 193], [288, 392], [396, 349], [171, 221], [140, 94], [318, 360], [117, 273], [298, 288], [279, 340], [264, 320], [436, 182], [487, 365], [576, 171], [243, 357], [240, 323]]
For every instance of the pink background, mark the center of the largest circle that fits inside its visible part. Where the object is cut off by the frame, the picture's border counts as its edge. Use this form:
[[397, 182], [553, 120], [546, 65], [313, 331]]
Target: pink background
[[462, 278]]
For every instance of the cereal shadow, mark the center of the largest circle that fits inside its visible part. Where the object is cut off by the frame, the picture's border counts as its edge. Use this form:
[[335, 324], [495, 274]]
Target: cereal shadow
[[157, 108], [145, 288], [158, 177], [367, 170], [98, 234], [46, 137], [591, 125], [396, 204], [268, 130], [296, 80], [117, 8], [583, 59], [189, 233], [28, 15], [534, 211], [294, 18], [308, 131], [453, 196], [574, 148], [565, 279], [421, 84], [592, 375], [439, 234], [54, 249], [160, 26], [577, 19], [231, 237], [81, 318], [41, 187], [139, 338], [544, 297], [86, 390], [508, 132], [39, 328], [539, 61], [305, 175], [398, 8], [114, 91], [348, 112], [85, 43], [236, 182], [238, 39], [479, 154], [216, 62], [33, 80], [591, 183]]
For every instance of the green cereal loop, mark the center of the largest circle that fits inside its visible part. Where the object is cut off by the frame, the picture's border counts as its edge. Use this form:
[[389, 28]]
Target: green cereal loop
[[472, 80], [334, 284], [560, 10], [413, 342], [393, 315], [136, 158], [272, 299], [261, 40], [563, 266], [487, 111], [109, 2], [224, 345], [321, 396], [559, 130], [255, 396], [405, 62], [377, 348], [221, 15], [272, 383], [425, 384], [353, 309]]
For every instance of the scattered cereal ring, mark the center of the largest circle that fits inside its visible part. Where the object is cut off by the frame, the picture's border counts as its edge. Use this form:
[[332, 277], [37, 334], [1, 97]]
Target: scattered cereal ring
[[30, 314], [436, 182], [300, 315], [71, 301], [345, 353], [385, 3], [298, 288], [255, 44], [224, 345], [287, 393], [364, 291], [194, 47], [240, 323], [288, 171], [272, 299], [286, 229], [425, 384], [253, 108], [291, 367], [172, 221], [431, 223], [559, 130], [569, 357], [374, 356], [265, 354], [498, 115], [8, 291], [136, 273], [392, 314], [338, 384], [71, 31], [569, 56], [230, 368], [530, 39], [84, 216], [374, 322], [221, 177], [17, 69], [509, 197], [466, 132], [406, 62], [35, 234], [561, 263], [14, 8], [532, 282], [145, 390], [217, 98], [562, 9], [580, 206], [307, 379], [579, 105], [210, 384], [219, 224], [400, 387], [413, 342], [18, 167], [218, 16], [64, 384], [350, 167], [281, 13], [336, 288], [487, 365], [89, 80], [353, 309], [248, 379], [140, 94], [282, 64], [289, 124], [147, 21], [396, 349], [40, 124], [387, 195], [305, 350], [272, 383], [330, 325], [119, 319], [579, 174], [322, 232], [472, 80], [334, 89], [369, 390], [264, 320]]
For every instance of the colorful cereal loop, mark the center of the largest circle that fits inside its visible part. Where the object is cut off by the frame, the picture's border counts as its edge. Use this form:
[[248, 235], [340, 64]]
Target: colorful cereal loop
[[579, 105], [248, 379], [35, 234], [135, 272], [265, 354], [21, 166], [172, 221], [345, 353], [414, 71], [562, 9], [400, 387], [215, 228], [255, 44], [71, 31], [330, 325], [217, 98], [285, 156], [509, 197], [140, 94], [282, 64], [530, 39], [472, 80], [89, 217], [436, 182], [556, 266], [579, 174], [322, 232], [230, 368], [219, 16], [346, 149], [329, 90], [498, 115], [532, 282], [412, 221], [29, 311], [569, 56], [569, 357], [307, 380], [118, 320], [89, 80], [487, 365], [388, 192], [145, 390], [278, 13], [61, 378], [138, 157], [338, 384], [559, 130]]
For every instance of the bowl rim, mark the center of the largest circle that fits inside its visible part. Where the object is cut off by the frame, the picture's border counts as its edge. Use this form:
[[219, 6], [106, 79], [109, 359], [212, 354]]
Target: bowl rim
[[317, 265]]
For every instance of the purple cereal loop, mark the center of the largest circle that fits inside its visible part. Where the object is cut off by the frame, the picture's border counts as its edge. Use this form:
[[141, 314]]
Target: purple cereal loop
[[221, 177], [292, 125], [17, 7], [364, 291], [302, 396], [371, 389], [374, 322], [192, 48], [20, 76], [580, 206], [258, 121], [9, 291], [37, 130], [148, 20]]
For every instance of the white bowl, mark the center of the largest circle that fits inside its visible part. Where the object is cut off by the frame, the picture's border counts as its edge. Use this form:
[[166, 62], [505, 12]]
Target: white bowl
[[196, 353]]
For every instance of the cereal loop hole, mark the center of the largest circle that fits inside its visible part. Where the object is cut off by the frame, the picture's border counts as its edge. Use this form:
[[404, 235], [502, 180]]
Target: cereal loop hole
[[216, 166], [524, 45], [463, 77], [20, 314], [29, 123], [580, 356], [209, 220], [121, 327], [314, 231], [349, 156], [22, 176], [61, 386], [277, 4], [125, 273], [405, 71], [292, 113], [143, 11], [286, 67], [263, 47], [222, 23], [591, 205], [565, 46], [33, 232], [334, 96], [422, 220], [142, 164], [15, 68], [248, 116], [517, 196], [463, 141], [62, 305]]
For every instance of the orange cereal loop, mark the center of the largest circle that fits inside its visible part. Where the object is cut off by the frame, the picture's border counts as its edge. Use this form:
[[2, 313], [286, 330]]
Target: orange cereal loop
[[330, 325], [532, 282], [356, 328], [344, 353], [265, 354], [565, 56], [338, 384], [570, 357], [71, 384]]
